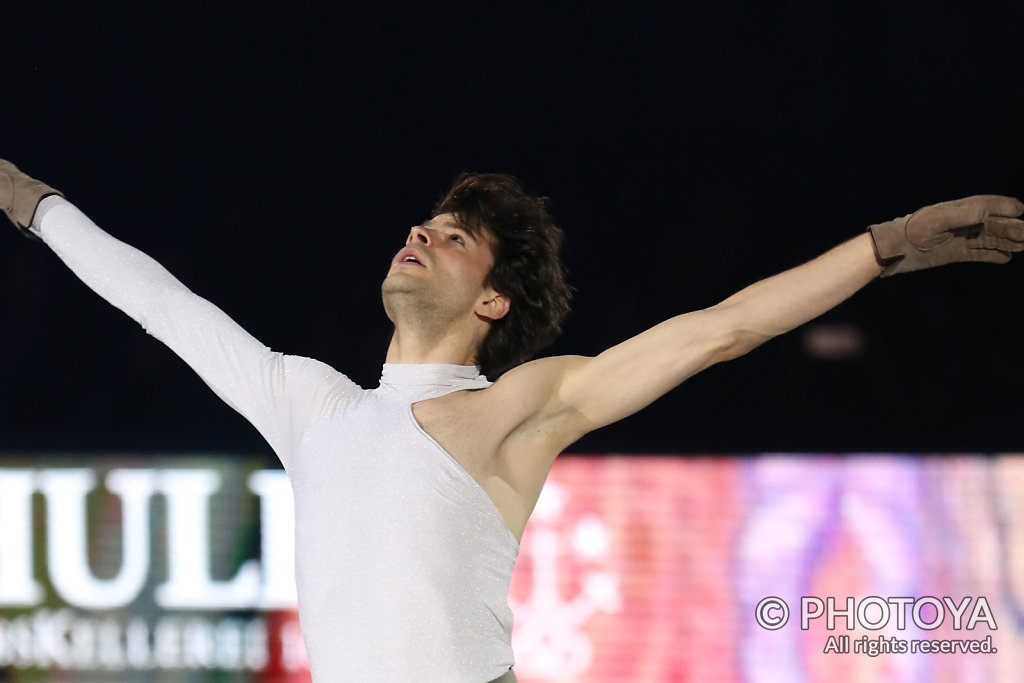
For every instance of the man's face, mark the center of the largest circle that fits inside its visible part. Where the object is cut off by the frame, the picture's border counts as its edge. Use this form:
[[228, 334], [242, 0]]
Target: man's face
[[443, 262]]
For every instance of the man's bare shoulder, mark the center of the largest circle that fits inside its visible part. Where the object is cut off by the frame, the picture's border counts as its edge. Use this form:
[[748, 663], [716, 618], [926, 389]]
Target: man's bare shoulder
[[535, 381], [529, 403]]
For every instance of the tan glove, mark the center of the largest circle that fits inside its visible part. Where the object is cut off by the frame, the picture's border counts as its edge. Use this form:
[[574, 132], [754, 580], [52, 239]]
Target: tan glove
[[20, 195], [980, 228]]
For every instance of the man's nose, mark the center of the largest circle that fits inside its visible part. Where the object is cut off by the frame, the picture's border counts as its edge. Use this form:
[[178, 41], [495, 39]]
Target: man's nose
[[419, 234]]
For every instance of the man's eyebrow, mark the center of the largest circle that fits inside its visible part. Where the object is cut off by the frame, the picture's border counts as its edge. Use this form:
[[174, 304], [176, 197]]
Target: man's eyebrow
[[452, 224]]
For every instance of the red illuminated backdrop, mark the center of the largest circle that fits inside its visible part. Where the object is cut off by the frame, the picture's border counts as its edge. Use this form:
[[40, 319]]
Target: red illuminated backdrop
[[632, 569]]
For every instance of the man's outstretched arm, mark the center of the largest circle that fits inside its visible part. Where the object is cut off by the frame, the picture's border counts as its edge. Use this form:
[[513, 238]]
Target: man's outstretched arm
[[587, 393], [627, 377], [273, 391]]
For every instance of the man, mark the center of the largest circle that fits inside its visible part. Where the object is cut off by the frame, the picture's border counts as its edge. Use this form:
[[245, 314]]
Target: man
[[410, 498]]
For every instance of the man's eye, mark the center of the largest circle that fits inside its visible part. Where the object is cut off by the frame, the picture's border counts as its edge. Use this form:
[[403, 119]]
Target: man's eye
[[458, 238]]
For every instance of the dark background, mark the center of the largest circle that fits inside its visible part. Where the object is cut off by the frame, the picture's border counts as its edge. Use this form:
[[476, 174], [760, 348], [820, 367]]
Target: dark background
[[274, 157]]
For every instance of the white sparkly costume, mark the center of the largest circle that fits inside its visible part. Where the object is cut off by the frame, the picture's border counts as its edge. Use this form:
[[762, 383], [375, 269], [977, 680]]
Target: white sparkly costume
[[402, 561]]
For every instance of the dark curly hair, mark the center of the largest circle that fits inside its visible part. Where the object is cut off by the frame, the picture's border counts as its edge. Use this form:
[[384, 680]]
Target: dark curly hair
[[527, 267]]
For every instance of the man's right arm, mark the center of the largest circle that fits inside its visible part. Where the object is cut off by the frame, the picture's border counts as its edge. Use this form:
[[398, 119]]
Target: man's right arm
[[275, 392]]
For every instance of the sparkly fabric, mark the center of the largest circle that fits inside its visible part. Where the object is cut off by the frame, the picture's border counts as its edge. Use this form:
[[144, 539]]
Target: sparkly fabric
[[403, 562], [45, 204]]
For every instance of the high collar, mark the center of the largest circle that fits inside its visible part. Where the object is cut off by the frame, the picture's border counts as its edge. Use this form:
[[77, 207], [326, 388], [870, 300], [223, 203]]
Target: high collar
[[439, 375]]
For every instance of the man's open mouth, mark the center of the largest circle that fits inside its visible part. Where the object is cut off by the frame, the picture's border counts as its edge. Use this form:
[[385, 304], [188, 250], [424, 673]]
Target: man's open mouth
[[409, 255]]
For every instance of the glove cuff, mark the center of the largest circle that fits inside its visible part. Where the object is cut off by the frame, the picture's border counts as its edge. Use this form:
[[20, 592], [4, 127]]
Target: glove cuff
[[20, 196], [890, 242]]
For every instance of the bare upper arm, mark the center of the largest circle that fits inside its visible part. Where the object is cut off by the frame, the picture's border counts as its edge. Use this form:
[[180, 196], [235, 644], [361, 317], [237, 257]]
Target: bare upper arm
[[564, 397], [538, 409], [542, 407], [629, 376]]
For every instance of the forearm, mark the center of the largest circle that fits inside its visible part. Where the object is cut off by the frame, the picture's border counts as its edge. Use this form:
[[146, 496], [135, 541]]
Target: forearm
[[625, 378], [785, 301], [124, 276], [233, 363], [139, 286], [278, 394]]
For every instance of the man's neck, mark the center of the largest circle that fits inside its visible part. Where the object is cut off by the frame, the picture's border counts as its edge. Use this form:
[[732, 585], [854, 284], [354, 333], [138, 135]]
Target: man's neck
[[454, 350]]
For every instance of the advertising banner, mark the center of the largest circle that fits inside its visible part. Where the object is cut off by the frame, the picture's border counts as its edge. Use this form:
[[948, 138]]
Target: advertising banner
[[633, 568]]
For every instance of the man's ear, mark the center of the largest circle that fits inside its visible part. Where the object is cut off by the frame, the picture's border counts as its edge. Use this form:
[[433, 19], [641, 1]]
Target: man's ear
[[492, 305]]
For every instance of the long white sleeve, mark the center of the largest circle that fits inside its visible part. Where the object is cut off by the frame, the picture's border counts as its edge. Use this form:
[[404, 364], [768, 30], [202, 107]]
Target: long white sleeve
[[278, 394]]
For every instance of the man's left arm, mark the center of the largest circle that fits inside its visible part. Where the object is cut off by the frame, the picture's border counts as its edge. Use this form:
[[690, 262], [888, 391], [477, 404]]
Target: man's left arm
[[593, 392]]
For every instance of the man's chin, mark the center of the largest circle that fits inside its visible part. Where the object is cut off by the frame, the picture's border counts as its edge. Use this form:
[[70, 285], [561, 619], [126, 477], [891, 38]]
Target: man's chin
[[403, 288], [401, 272], [399, 279]]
